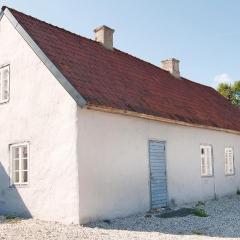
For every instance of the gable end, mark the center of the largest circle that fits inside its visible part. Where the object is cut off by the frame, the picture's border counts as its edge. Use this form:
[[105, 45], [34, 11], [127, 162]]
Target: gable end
[[42, 56]]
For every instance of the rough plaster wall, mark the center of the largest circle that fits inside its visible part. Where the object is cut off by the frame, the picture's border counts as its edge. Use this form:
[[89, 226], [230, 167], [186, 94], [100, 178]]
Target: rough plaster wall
[[42, 112], [114, 167]]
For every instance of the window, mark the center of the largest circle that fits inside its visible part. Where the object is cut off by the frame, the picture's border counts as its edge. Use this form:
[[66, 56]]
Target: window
[[206, 160], [19, 163], [229, 163], [4, 84]]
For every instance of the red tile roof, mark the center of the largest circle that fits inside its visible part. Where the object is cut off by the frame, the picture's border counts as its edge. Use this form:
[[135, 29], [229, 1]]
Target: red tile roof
[[118, 80]]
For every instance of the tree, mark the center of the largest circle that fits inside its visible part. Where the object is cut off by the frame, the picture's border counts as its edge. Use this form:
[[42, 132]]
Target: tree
[[236, 90], [231, 92]]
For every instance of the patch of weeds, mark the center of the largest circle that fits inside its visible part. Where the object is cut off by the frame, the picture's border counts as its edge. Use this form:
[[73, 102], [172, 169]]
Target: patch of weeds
[[238, 191], [12, 219], [200, 204], [199, 212], [197, 233]]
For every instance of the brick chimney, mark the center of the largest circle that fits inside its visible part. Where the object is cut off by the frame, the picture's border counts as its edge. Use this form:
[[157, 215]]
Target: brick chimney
[[171, 65], [104, 35]]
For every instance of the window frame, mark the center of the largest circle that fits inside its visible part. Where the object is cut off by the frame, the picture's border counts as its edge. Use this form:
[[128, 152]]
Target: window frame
[[207, 174], [1, 84], [12, 170], [233, 165]]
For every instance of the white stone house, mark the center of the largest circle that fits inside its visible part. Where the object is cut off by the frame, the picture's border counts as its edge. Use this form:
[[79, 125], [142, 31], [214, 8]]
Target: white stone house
[[89, 132]]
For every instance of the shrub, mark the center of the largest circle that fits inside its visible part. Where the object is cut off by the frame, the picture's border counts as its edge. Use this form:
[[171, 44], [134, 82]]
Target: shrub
[[199, 212]]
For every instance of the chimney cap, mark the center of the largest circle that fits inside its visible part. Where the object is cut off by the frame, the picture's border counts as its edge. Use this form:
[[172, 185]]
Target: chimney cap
[[171, 59], [103, 27]]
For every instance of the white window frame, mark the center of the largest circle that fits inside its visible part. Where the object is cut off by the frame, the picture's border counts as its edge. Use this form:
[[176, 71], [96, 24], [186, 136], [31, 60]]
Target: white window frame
[[2, 69], [229, 170], [21, 170], [206, 160]]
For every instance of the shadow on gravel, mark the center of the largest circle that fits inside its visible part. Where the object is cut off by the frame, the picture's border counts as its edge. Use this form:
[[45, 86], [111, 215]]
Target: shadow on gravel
[[182, 212], [11, 203], [225, 223]]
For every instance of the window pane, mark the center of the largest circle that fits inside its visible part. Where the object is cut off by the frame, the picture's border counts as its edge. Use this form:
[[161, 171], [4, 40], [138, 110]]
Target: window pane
[[5, 89], [5, 94], [16, 177], [226, 162], [229, 165], [203, 167], [24, 164], [209, 161], [24, 152], [4, 84], [16, 152], [24, 176], [206, 160], [5, 74], [16, 165]]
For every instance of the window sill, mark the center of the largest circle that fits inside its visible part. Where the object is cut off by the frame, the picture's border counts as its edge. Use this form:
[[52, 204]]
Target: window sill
[[229, 174], [4, 102], [19, 185], [206, 176]]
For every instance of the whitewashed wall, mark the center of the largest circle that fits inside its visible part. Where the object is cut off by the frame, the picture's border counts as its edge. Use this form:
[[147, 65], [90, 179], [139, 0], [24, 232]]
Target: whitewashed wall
[[39, 111], [114, 167]]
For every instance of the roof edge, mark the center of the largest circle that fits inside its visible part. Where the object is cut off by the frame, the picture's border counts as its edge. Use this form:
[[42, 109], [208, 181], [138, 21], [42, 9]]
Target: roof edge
[[43, 57], [155, 118], [1, 13]]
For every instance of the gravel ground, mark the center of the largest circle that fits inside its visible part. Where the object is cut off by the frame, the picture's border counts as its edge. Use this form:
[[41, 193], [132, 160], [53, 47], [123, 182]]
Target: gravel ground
[[223, 222]]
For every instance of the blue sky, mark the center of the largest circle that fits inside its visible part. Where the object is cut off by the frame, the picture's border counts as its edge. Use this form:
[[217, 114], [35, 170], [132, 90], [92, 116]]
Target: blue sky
[[204, 35]]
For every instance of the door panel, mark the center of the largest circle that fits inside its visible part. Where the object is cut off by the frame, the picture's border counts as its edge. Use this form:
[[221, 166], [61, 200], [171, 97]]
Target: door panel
[[158, 178]]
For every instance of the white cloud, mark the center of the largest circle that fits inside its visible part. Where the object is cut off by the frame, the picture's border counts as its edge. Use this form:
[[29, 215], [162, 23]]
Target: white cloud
[[222, 78]]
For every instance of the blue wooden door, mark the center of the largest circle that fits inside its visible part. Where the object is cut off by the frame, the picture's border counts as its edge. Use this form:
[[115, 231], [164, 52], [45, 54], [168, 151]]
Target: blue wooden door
[[158, 178]]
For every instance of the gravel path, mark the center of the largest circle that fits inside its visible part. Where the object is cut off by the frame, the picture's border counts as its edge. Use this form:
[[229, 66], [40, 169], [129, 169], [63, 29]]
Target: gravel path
[[223, 223]]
